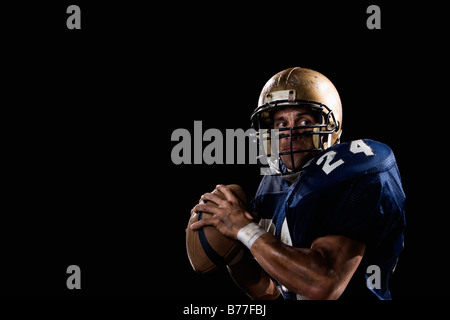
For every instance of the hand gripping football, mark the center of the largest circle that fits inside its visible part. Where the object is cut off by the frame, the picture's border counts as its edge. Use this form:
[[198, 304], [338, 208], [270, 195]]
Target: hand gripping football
[[207, 248]]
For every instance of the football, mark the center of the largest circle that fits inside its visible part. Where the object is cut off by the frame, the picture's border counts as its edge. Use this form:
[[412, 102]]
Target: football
[[207, 248]]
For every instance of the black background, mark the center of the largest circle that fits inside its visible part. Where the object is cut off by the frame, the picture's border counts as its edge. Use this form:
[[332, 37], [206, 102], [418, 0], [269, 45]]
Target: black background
[[88, 116]]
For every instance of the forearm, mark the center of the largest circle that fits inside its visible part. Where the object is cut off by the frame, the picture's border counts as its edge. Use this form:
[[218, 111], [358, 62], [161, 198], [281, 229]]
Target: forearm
[[300, 270], [252, 279]]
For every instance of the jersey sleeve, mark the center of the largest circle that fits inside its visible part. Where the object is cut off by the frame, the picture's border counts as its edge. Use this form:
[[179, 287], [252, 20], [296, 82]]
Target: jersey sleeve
[[368, 209]]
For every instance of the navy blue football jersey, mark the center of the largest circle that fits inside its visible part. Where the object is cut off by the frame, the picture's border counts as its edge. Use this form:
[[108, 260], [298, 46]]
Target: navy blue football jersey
[[352, 189]]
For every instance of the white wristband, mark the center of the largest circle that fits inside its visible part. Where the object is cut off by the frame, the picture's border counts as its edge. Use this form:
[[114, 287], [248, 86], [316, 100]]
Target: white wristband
[[248, 234]]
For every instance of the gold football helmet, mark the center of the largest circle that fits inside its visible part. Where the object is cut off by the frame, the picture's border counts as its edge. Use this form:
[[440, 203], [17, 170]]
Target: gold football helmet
[[304, 88]]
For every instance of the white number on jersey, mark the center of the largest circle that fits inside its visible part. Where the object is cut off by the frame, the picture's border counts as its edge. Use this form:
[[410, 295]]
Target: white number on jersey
[[357, 146], [328, 166]]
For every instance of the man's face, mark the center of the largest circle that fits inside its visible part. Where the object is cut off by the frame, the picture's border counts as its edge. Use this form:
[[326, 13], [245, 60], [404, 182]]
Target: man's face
[[295, 117]]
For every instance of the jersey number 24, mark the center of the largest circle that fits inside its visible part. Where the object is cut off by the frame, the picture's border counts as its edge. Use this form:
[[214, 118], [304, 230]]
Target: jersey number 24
[[357, 146]]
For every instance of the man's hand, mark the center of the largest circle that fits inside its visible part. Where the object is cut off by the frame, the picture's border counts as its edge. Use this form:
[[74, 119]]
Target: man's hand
[[229, 216]]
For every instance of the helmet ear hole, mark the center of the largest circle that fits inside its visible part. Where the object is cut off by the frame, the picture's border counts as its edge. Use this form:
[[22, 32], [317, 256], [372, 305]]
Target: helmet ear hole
[[332, 123]]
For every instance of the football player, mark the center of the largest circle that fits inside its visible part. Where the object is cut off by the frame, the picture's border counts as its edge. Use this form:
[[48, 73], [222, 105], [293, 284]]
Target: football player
[[329, 220]]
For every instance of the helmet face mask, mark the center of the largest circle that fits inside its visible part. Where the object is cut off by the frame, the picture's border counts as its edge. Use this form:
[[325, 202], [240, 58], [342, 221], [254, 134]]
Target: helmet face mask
[[325, 125], [286, 90]]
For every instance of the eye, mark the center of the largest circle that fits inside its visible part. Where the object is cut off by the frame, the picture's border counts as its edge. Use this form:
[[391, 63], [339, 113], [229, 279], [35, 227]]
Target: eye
[[280, 124], [305, 123]]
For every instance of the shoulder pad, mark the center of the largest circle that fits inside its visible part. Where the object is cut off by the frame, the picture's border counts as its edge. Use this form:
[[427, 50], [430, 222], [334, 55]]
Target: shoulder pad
[[351, 159]]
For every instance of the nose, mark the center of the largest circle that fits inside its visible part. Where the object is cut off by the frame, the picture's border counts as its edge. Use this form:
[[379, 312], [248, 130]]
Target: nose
[[293, 133]]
